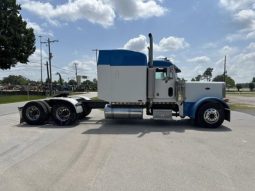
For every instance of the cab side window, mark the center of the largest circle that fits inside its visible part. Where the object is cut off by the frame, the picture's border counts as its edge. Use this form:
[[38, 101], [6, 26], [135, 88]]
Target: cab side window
[[160, 75]]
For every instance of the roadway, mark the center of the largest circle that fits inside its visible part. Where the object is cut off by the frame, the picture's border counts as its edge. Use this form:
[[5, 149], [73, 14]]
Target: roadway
[[99, 154]]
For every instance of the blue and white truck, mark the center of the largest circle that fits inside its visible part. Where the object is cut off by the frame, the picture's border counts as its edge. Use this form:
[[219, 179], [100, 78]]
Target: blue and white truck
[[128, 85]]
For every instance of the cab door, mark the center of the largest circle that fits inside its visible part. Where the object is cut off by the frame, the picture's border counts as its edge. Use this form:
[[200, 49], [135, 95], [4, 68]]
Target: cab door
[[164, 86]]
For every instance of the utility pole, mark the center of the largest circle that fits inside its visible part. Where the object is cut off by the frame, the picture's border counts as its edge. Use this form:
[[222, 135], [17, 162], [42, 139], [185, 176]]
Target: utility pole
[[41, 58], [225, 69], [76, 74], [48, 76], [96, 50], [48, 42]]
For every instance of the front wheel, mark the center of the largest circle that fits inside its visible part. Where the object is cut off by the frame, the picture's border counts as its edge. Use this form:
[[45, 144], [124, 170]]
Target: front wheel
[[210, 115], [64, 114]]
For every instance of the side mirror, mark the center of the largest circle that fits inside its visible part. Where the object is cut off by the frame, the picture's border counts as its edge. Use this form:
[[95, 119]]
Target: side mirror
[[170, 74]]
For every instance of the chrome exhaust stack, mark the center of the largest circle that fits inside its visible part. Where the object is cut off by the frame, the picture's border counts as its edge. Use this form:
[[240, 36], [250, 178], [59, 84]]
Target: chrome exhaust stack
[[150, 51], [151, 73]]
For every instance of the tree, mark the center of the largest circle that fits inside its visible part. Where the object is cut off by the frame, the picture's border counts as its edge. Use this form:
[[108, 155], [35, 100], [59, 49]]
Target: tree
[[251, 86], [60, 81], [238, 87], [17, 42], [208, 74], [229, 81], [15, 80], [253, 79], [197, 78], [72, 83]]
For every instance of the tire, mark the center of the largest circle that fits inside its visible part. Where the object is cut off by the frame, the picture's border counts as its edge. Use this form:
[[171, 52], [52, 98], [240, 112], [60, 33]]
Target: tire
[[64, 114], [47, 106], [35, 113], [86, 111], [210, 115]]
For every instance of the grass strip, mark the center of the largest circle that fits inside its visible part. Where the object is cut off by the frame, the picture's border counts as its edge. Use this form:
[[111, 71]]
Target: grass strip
[[238, 106], [18, 98]]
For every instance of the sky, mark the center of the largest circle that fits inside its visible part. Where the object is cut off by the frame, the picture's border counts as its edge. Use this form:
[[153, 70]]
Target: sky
[[193, 34]]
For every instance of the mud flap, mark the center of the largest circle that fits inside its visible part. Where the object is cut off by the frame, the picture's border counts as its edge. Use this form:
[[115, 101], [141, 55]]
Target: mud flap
[[227, 114], [20, 115]]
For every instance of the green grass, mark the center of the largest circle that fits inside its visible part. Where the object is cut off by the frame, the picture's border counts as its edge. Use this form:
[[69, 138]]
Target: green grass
[[240, 106], [244, 94], [18, 98], [95, 98]]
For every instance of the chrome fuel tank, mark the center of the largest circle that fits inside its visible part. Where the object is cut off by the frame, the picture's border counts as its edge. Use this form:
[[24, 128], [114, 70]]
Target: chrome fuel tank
[[122, 113]]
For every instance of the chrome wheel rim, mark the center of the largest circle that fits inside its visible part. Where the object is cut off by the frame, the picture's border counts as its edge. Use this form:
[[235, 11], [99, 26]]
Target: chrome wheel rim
[[63, 113], [211, 116], [33, 113]]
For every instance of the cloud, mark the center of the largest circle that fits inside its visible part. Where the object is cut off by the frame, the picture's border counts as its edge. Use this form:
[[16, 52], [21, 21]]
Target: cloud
[[38, 30], [135, 9], [102, 12], [243, 14], [94, 11], [235, 37], [246, 15], [172, 43], [137, 44], [251, 35], [36, 56], [199, 59], [240, 65], [228, 50], [251, 46], [85, 67], [166, 44], [31, 70], [234, 5], [210, 45]]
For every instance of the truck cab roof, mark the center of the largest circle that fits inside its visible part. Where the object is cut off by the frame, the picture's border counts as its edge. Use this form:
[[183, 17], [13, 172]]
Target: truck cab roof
[[164, 64], [121, 57]]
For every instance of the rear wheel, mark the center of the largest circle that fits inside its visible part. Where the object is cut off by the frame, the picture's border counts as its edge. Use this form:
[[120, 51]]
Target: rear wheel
[[64, 114], [210, 115], [35, 113]]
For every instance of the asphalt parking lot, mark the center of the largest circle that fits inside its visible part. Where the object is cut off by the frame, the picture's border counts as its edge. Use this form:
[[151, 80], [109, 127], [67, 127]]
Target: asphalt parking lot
[[99, 154]]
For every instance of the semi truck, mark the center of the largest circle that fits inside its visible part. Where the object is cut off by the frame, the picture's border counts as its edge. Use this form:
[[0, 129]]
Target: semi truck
[[129, 87]]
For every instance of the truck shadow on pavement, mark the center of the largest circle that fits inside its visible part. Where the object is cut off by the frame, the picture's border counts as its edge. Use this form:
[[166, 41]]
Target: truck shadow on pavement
[[146, 126], [45, 126]]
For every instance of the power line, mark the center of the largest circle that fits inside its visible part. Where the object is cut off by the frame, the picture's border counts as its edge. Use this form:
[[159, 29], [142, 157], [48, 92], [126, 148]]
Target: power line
[[67, 70]]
